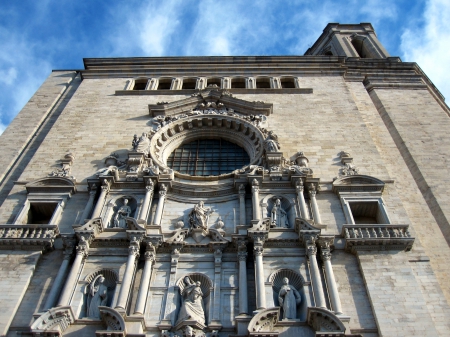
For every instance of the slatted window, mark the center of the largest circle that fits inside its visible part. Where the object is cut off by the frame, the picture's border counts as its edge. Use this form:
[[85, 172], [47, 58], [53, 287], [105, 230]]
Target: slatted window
[[208, 157]]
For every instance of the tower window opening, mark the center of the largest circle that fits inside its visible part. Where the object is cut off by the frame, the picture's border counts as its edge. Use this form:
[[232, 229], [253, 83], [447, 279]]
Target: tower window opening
[[238, 83], [287, 83], [214, 81], [40, 213], [189, 83], [164, 84], [263, 83], [140, 84]]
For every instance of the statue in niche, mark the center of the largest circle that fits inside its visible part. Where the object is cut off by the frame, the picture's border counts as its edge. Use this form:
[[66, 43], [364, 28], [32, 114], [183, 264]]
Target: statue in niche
[[198, 217], [289, 298], [192, 302], [278, 215], [271, 143], [122, 213], [98, 296]]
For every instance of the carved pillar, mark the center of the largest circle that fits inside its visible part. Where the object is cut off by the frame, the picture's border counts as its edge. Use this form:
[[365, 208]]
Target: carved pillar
[[217, 280], [172, 290], [329, 275], [301, 200], [58, 283], [90, 203], [160, 207], [314, 206], [147, 200], [259, 275], [133, 253], [243, 296], [100, 201], [242, 205], [315, 273], [145, 279], [255, 200], [82, 252]]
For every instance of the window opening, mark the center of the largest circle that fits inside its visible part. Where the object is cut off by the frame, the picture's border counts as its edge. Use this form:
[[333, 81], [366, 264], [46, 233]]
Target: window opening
[[164, 84], [215, 81], [366, 212], [263, 83], [140, 84], [40, 213], [208, 157], [287, 83], [189, 83], [238, 83]]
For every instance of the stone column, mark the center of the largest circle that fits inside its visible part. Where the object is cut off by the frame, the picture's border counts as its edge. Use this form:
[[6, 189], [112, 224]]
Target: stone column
[[58, 283], [329, 275], [243, 297], [82, 252], [100, 201], [145, 280], [90, 203], [242, 205], [259, 276], [301, 200], [147, 200], [255, 200], [133, 253], [160, 207], [314, 206], [217, 279], [315, 273]]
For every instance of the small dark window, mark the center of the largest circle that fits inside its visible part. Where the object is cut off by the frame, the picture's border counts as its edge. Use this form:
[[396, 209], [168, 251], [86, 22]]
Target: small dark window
[[214, 81], [164, 84], [287, 83], [328, 53], [140, 84], [365, 212], [40, 212], [189, 83], [263, 83], [208, 157], [238, 83]]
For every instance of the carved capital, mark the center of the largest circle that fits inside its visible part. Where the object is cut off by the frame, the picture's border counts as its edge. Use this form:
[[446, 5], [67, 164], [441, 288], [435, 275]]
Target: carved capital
[[311, 250], [242, 256], [299, 187], [105, 188], [150, 256], [326, 255], [133, 250], [258, 250], [255, 189], [163, 190], [312, 190], [83, 250], [149, 188]]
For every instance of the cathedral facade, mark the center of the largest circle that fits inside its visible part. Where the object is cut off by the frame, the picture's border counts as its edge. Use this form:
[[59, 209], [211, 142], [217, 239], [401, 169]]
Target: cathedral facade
[[229, 196]]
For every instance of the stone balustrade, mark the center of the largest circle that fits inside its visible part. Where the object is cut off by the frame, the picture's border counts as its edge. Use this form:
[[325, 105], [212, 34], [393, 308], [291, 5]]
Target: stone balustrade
[[27, 235], [377, 237]]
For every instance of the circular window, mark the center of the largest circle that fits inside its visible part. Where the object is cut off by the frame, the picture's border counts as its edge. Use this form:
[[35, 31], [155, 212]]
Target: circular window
[[208, 157]]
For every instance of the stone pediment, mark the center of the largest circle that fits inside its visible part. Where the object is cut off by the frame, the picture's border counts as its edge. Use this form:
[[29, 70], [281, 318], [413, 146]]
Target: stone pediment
[[51, 185], [358, 183], [214, 99]]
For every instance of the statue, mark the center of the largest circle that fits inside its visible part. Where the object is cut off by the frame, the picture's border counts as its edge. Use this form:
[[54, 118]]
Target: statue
[[192, 302], [271, 143], [122, 213], [289, 298], [278, 215], [142, 144], [198, 217], [98, 296]]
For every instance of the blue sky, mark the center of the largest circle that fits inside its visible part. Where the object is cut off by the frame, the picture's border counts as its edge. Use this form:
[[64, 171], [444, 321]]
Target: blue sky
[[38, 36]]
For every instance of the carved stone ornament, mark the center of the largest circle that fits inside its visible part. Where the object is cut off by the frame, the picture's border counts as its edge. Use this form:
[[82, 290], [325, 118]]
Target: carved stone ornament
[[349, 170], [265, 321], [66, 165], [56, 321], [278, 216]]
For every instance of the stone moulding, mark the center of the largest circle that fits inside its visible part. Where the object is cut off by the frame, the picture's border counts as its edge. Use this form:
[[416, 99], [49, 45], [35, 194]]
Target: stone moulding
[[358, 183], [264, 322], [325, 323], [58, 185], [28, 236], [53, 322], [114, 321], [377, 237]]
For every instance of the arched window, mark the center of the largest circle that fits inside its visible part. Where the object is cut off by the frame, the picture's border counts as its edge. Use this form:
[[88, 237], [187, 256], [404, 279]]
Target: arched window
[[140, 84], [263, 83], [287, 82], [208, 157], [237, 83], [165, 84], [189, 83]]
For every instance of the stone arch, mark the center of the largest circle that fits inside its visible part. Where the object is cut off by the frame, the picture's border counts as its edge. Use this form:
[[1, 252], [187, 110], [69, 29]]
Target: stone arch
[[358, 183], [288, 205], [297, 281], [139, 83]]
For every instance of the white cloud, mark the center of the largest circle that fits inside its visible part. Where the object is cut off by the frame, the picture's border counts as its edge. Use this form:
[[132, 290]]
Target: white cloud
[[429, 45]]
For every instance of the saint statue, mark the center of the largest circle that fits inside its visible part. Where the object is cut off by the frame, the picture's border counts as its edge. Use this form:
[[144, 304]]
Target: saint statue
[[122, 213], [271, 143], [198, 217], [142, 144], [289, 298], [192, 302], [98, 296], [278, 215]]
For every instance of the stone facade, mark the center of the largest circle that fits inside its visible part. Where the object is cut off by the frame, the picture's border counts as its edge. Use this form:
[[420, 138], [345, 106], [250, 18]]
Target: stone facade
[[338, 225]]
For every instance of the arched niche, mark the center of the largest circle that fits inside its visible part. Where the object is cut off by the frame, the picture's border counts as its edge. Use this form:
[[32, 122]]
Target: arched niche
[[295, 280], [111, 280], [288, 206], [206, 287], [114, 204]]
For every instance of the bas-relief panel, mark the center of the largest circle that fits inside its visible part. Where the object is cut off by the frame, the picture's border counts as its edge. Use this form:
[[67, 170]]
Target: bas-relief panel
[[177, 211], [154, 306], [228, 305], [229, 278]]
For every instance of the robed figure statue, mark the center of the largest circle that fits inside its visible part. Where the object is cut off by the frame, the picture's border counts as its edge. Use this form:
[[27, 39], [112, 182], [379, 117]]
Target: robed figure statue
[[192, 302], [198, 217], [97, 297], [289, 298], [279, 216]]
